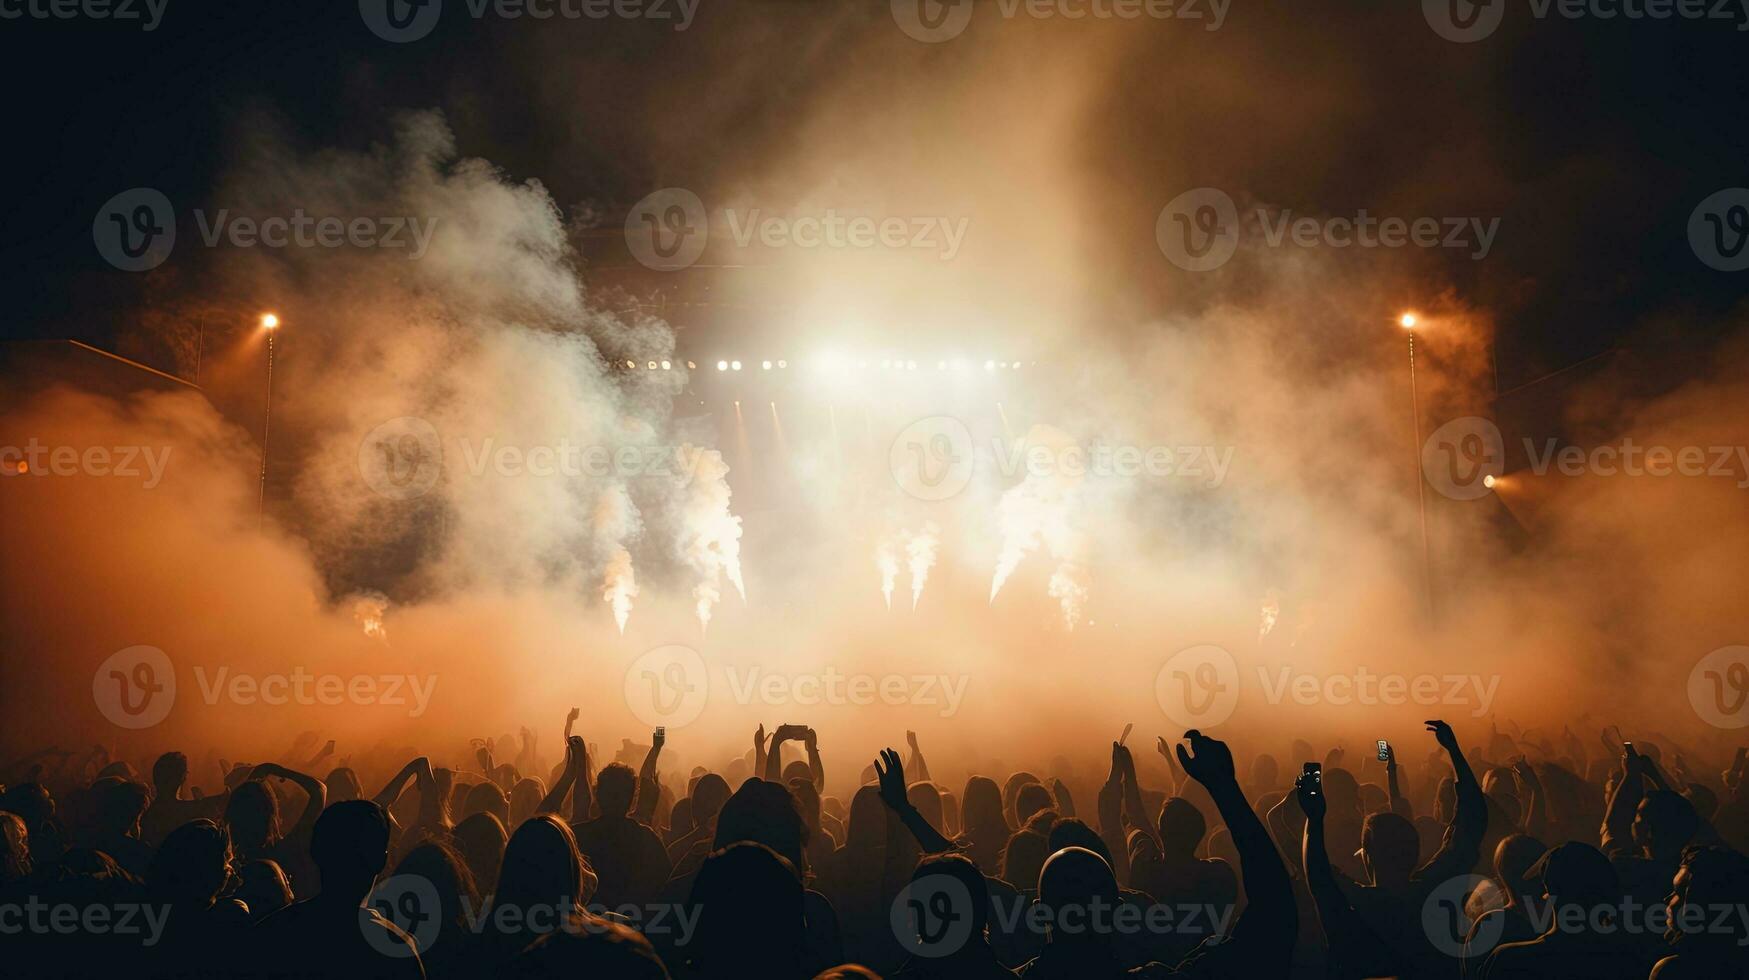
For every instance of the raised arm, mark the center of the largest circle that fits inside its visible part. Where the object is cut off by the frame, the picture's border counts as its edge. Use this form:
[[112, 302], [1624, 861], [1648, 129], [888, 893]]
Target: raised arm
[[891, 771], [313, 788], [1618, 819], [648, 789], [816, 769], [1263, 937], [1462, 845], [919, 768]]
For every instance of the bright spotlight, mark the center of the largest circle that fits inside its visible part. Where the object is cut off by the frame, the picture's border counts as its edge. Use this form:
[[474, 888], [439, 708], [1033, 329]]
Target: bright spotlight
[[722, 365], [269, 321], [1489, 481], [765, 365], [782, 364], [666, 365], [1408, 321], [653, 365], [691, 366], [631, 365], [734, 365]]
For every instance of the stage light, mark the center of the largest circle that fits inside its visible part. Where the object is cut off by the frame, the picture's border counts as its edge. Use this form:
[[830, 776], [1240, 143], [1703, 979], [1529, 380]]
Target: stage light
[[1489, 481], [734, 365], [631, 365], [691, 366], [653, 365], [765, 365], [666, 365], [722, 365], [782, 364], [269, 321], [1016, 365], [1408, 321]]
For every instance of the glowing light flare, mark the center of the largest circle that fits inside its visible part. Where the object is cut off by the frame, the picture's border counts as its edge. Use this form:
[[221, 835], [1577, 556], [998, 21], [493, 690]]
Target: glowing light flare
[[269, 321]]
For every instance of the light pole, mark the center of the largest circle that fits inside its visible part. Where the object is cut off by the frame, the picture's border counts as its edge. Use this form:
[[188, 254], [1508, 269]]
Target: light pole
[[269, 323], [1408, 321]]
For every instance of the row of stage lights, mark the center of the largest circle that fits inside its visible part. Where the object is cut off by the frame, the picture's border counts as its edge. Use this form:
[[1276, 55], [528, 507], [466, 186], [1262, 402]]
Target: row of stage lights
[[888, 364]]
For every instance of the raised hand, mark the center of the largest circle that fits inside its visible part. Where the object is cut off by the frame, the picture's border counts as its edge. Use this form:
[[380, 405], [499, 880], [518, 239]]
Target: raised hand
[[658, 738], [891, 770], [1212, 763], [1310, 794], [576, 755], [1443, 734], [759, 743], [911, 740]]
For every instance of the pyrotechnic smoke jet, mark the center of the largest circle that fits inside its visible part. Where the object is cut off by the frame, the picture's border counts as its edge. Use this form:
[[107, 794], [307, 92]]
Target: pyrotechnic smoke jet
[[920, 550], [368, 609], [710, 536], [1271, 612], [1069, 588], [887, 560], [616, 519]]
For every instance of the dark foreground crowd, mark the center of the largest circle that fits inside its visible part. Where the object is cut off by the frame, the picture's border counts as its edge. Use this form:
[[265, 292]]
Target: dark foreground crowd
[[1530, 854]]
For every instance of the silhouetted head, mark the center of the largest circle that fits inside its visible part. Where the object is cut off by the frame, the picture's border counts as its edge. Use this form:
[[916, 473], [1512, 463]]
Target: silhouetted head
[[1022, 858], [439, 864], [481, 839], [982, 809], [1709, 879], [615, 786], [1390, 846], [708, 798], [1070, 832], [1577, 874], [1182, 827], [252, 816], [265, 888], [957, 876], [1513, 858], [342, 785], [1664, 823], [192, 865], [1076, 878], [1703, 799], [797, 770], [1265, 773], [350, 846], [680, 818], [487, 798], [1341, 792], [750, 913], [763, 812], [927, 799], [867, 827], [32, 802], [120, 804], [807, 802], [1011, 793], [169, 773], [1031, 799], [542, 867]]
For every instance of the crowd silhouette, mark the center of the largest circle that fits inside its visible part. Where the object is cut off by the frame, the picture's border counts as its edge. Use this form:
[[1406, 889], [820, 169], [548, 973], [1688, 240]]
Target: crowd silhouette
[[1527, 854]]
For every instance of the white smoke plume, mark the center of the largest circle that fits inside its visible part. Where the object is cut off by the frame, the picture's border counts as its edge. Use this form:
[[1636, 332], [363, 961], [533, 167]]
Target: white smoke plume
[[368, 611], [920, 552], [1069, 587], [887, 561], [616, 519], [1042, 509], [710, 535]]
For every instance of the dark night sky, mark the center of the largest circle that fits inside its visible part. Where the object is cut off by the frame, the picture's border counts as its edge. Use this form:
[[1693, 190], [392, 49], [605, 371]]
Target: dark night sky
[[1598, 137]]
